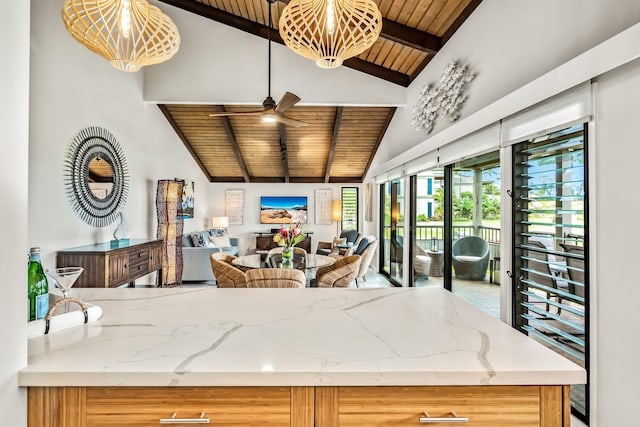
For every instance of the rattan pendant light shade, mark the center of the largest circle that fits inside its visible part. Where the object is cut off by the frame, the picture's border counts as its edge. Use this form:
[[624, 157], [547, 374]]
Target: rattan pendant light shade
[[330, 31], [128, 33]]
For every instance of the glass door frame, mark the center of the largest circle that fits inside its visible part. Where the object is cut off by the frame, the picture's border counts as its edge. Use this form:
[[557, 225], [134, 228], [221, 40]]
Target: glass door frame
[[516, 229], [392, 230]]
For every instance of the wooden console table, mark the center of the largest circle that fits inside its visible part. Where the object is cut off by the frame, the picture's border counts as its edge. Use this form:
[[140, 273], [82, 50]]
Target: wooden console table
[[264, 242], [108, 267]]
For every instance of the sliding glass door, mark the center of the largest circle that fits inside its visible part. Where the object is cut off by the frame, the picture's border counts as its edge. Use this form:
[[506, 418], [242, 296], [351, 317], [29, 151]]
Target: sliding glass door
[[392, 214], [551, 297], [475, 231], [428, 228]]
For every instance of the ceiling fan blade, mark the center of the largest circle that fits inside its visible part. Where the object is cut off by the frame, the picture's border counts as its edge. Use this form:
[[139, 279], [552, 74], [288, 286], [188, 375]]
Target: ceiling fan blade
[[236, 113], [290, 122], [287, 101]]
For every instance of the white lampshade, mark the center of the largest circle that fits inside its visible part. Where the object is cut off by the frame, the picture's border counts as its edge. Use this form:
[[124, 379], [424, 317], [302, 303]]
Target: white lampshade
[[220, 222]]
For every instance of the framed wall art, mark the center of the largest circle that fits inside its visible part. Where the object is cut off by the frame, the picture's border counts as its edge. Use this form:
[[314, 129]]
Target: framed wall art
[[324, 198], [234, 206]]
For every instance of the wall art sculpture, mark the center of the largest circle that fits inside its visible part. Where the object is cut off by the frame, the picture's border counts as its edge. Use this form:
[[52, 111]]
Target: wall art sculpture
[[443, 100]]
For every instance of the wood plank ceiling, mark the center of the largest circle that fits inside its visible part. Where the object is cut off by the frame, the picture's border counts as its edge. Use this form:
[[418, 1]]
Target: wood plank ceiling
[[338, 145], [340, 142]]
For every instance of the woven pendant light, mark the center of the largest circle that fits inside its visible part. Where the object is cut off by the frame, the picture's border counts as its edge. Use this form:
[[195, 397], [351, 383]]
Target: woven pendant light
[[330, 31], [128, 33]]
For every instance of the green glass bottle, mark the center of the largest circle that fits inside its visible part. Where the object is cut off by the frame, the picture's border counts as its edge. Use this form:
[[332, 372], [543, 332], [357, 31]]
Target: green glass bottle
[[38, 288]]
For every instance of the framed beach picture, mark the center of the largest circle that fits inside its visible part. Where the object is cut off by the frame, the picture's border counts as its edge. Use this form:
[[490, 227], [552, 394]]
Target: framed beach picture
[[283, 209]]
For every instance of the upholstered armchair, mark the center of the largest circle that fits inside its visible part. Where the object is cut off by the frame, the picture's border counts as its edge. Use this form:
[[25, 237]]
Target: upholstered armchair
[[275, 278], [274, 258], [338, 275], [347, 236], [367, 256], [226, 274], [470, 255]]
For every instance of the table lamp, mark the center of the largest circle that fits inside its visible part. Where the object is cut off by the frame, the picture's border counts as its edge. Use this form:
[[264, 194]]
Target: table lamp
[[220, 222]]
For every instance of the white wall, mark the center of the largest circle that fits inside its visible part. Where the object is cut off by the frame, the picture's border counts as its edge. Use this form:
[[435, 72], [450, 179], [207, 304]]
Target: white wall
[[508, 43], [14, 146], [220, 64], [72, 88], [617, 231], [252, 193]]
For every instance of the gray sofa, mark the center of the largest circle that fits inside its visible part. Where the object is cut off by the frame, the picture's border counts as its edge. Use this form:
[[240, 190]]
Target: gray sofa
[[196, 263]]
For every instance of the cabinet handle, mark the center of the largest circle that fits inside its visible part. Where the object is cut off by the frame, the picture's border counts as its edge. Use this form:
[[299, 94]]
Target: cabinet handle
[[454, 418], [174, 420]]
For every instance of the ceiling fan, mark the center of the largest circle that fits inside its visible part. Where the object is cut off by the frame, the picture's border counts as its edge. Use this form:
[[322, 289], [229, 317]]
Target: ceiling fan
[[271, 111]]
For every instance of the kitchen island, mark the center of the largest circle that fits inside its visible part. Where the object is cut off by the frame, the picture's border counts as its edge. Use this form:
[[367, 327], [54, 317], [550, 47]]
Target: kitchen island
[[294, 357]]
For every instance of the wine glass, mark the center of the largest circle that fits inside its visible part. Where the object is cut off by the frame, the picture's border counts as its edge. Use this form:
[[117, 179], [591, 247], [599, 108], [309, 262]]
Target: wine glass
[[64, 278]]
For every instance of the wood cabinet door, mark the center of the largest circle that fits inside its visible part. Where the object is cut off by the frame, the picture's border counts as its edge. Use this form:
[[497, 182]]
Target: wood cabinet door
[[118, 268], [483, 406], [223, 406], [155, 256]]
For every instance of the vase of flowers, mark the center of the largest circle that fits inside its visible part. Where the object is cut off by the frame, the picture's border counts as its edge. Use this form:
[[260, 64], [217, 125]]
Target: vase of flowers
[[288, 237]]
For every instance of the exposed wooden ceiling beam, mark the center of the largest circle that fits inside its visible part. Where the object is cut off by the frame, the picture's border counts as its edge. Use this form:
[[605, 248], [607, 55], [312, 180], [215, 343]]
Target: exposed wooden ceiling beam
[[345, 180], [410, 36], [283, 151], [334, 141], [226, 123], [261, 30], [460, 19], [184, 139], [383, 131]]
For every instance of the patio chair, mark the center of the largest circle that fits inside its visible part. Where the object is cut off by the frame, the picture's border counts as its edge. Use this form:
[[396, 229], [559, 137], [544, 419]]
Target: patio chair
[[470, 256], [275, 278], [226, 274], [575, 268], [421, 262], [540, 262]]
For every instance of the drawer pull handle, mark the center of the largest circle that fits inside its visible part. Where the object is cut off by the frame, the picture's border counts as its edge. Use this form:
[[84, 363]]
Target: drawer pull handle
[[454, 418], [174, 420]]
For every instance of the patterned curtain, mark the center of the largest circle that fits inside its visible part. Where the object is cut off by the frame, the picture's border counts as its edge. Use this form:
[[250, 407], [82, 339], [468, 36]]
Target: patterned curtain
[[170, 225]]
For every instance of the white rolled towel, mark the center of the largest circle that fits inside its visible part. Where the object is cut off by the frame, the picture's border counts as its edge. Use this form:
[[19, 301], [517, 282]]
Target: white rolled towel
[[36, 328]]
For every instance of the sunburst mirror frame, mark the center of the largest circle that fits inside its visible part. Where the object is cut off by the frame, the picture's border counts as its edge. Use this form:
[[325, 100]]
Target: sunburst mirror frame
[[85, 146]]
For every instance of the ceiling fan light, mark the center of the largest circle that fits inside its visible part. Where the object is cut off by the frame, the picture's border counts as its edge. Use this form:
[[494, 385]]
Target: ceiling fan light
[[130, 34], [268, 118], [330, 31]]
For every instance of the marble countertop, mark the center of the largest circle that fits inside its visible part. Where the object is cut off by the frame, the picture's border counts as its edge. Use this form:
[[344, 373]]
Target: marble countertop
[[256, 337]]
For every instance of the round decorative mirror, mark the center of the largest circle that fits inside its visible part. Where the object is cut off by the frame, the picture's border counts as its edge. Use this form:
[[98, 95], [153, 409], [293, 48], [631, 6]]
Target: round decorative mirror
[[96, 176]]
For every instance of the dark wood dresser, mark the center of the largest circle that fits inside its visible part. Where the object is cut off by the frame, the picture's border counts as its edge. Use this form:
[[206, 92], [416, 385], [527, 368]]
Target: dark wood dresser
[[264, 242], [106, 266]]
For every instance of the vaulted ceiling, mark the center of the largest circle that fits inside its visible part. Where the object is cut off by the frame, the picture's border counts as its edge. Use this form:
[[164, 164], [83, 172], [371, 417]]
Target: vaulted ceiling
[[340, 142]]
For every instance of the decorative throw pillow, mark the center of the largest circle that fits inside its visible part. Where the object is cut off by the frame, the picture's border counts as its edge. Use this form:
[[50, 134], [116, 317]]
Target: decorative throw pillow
[[339, 241], [220, 241], [199, 240], [364, 242], [218, 232], [350, 235]]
